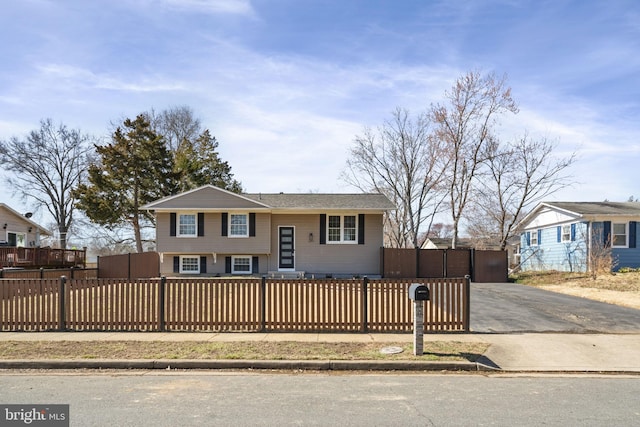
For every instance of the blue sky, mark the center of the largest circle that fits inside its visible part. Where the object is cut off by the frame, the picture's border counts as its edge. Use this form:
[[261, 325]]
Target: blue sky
[[286, 85]]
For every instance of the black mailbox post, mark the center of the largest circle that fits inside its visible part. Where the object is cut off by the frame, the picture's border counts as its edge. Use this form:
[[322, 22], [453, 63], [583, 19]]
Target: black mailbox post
[[418, 292]]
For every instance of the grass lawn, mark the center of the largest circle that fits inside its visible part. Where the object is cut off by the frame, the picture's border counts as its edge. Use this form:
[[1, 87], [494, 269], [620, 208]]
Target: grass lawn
[[249, 350]]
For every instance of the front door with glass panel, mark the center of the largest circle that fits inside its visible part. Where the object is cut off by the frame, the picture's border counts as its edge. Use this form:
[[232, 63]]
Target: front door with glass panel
[[286, 249]]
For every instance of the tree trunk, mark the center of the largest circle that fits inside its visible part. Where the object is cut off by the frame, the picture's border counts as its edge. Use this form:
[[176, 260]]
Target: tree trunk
[[62, 230], [136, 231]]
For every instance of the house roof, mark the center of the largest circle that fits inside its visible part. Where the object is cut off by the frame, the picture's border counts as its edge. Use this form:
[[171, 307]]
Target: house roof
[[599, 208], [313, 201], [210, 197], [463, 243], [445, 243], [560, 212]]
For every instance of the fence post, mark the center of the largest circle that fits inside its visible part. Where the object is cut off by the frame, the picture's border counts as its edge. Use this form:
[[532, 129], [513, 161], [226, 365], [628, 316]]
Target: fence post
[[161, 299], [263, 304], [472, 262], [61, 307], [365, 305], [444, 263], [467, 307]]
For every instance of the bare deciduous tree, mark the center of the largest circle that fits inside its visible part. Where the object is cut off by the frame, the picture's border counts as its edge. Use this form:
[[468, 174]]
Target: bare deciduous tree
[[518, 176], [401, 160], [466, 124], [600, 258], [47, 165], [195, 150], [175, 124]]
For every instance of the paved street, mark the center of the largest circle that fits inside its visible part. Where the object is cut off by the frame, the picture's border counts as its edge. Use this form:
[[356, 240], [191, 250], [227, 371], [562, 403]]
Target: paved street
[[244, 399], [512, 308]]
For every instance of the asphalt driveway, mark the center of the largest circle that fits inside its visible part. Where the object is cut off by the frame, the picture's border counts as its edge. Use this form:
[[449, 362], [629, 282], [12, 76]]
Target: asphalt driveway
[[513, 308]]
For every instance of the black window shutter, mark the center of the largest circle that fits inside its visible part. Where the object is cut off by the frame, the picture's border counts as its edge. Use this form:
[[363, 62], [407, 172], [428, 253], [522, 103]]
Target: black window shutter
[[203, 264], [632, 234], [176, 264], [323, 229], [573, 232], [559, 232], [252, 224], [200, 224], [539, 237], [225, 227], [528, 238], [227, 264], [606, 234], [361, 229], [254, 265], [172, 224]]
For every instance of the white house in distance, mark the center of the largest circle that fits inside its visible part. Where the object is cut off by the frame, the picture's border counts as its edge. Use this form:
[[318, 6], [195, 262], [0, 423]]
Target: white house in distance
[[17, 230]]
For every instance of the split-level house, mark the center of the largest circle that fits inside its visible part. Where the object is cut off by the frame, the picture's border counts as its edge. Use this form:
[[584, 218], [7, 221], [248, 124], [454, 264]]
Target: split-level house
[[566, 236], [213, 231]]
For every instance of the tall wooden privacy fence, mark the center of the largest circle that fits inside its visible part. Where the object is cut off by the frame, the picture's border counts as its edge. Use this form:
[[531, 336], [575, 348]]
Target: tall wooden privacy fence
[[131, 265], [251, 305], [483, 266]]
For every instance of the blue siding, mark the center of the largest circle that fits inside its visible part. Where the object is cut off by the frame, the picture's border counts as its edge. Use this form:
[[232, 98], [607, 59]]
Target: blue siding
[[622, 257], [551, 254], [628, 257]]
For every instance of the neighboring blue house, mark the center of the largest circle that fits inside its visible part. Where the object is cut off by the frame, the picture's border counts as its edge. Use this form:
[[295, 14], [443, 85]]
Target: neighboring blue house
[[561, 235]]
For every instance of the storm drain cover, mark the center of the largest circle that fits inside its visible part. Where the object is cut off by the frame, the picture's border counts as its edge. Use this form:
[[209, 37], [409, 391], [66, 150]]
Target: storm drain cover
[[391, 350]]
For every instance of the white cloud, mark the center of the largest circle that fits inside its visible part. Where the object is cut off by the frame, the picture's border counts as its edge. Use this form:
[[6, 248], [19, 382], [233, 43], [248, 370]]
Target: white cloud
[[239, 7], [285, 150], [73, 76]]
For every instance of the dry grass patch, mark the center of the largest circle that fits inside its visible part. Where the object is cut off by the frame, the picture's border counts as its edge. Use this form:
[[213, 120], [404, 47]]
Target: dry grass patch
[[249, 350], [621, 288]]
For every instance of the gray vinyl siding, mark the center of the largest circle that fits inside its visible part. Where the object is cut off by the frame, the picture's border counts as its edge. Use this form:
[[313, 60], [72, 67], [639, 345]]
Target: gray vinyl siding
[[215, 266], [207, 198], [213, 241], [310, 256], [315, 258]]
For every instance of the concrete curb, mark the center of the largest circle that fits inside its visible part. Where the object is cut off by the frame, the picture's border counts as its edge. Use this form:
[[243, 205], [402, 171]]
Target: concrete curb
[[319, 365]]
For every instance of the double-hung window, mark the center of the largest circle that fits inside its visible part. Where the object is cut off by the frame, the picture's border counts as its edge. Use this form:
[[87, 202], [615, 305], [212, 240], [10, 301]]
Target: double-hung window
[[241, 264], [189, 264], [187, 225], [238, 225], [566, 233], [342, 229], [534, 238], [619, 235]]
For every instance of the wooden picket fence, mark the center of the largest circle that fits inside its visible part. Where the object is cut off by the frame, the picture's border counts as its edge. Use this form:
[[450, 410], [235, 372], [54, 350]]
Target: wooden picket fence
[[230, 304]]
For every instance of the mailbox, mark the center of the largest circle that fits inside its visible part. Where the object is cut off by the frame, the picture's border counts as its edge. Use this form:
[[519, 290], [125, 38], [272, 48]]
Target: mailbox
[[418, 292]]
